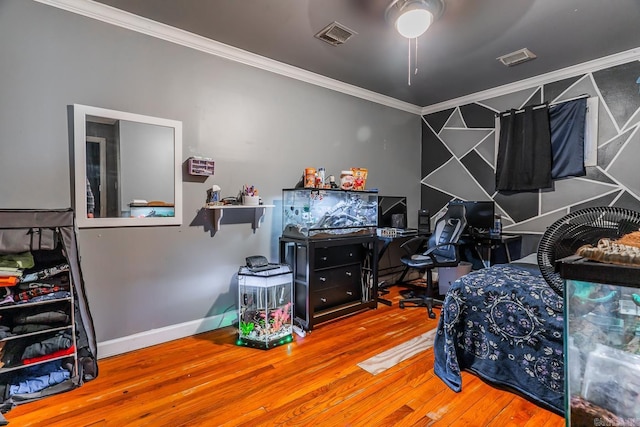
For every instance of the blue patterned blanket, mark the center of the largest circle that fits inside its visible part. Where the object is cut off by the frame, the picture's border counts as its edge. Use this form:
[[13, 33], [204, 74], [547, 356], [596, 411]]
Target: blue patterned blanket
[[504, 324]]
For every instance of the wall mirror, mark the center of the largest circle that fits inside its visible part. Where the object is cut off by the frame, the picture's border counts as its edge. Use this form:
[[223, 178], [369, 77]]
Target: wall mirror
[[129, 165]]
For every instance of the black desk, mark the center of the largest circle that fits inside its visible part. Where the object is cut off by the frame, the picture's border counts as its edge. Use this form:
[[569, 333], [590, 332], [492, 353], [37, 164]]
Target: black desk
[[485, 243], [392, 269]]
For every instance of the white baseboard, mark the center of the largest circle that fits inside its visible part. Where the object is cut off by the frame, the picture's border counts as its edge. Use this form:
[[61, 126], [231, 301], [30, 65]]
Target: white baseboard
[[162, 335]]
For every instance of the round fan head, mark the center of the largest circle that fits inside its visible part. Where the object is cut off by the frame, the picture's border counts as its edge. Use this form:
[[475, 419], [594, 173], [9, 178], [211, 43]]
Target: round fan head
[[582, 227]]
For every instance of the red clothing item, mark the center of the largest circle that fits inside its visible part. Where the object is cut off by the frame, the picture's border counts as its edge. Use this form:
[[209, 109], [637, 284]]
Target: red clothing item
[[63, 352]]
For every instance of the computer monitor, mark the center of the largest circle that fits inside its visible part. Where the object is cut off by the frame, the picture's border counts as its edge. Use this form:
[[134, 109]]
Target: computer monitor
[[479, 214], [392, 211]]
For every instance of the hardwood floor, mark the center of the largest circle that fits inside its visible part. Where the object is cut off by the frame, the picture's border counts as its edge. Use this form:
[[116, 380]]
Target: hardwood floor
[[206, 380]]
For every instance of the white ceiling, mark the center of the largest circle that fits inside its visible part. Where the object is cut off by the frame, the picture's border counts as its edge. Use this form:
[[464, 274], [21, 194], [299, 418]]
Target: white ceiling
[[456, 56]]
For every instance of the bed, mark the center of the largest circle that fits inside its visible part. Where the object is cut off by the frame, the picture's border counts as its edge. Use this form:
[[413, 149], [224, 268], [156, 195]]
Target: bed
[[504, 324]]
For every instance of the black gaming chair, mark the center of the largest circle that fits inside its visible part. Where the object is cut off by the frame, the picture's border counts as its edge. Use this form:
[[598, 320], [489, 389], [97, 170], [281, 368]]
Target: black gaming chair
[[438, 250]]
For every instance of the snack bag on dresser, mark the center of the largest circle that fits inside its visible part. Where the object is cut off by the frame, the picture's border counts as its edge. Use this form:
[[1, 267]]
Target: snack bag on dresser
[[359, 178]]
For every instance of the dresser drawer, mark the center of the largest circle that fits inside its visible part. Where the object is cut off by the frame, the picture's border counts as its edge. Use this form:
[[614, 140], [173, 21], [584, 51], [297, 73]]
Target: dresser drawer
[[347, 276], [338, 255], [331, 297], [335, 286]]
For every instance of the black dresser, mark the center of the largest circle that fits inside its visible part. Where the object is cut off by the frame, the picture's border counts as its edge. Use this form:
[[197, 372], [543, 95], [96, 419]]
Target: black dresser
[[333, 277]]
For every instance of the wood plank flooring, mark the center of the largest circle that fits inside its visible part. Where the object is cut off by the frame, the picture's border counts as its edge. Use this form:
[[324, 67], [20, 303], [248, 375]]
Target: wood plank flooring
[[206, 380]]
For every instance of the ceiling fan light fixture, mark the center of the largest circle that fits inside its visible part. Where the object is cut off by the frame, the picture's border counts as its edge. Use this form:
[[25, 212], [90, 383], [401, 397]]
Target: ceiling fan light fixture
[[413, 23], [412, 18]]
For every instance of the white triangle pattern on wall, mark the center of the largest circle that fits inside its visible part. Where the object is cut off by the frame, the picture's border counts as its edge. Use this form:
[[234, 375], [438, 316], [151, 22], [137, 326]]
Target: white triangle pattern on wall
[[454, 179], [634, 120], [461, 141], [487, 150], [455, 120], [624, 167], [582, 86], [511, 100], [537, 224], [572, 191]]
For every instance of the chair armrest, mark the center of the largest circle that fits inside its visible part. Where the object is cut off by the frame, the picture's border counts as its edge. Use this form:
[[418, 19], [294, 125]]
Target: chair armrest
[[442, 245], [429, 252], [416, 243]]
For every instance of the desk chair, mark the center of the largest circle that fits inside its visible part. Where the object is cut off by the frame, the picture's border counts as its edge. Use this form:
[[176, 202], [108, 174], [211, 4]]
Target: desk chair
[[438, 250]]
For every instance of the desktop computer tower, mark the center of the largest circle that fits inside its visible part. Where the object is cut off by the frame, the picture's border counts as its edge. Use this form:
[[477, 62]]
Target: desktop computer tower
[[424, 221]]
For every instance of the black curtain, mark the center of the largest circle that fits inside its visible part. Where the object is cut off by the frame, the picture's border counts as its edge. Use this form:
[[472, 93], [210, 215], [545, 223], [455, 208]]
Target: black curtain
[[567, 124], [524, 150]]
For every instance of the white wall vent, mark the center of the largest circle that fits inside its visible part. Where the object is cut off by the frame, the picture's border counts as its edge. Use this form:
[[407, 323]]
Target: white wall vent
[[335, 34], [517, 57]]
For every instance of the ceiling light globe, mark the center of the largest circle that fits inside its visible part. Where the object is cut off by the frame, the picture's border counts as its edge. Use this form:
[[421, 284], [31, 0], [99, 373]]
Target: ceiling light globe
[[414, 23]]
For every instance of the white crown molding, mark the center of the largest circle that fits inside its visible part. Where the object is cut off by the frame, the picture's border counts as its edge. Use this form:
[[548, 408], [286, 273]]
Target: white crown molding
[[575, 70], [120, 18]]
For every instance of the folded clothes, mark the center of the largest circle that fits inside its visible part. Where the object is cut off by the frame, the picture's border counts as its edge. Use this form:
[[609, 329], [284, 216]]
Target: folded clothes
[[5, 332], [7, 300], [38, 377], [61, 280], [35, 292], [10, 271], [48, 297], [63, 352], [19, 260], [9, 281], [42, 317], [47, 346], [43, 274]]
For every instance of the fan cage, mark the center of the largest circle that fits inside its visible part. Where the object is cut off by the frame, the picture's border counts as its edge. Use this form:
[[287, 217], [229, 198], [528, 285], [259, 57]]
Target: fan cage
[[579, 228]]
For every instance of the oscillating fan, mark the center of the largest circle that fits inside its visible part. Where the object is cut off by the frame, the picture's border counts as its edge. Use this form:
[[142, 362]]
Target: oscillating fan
[[582, 227]]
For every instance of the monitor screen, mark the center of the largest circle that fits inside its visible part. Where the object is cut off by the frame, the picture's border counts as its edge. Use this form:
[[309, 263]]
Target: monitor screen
[[392, 211], [479, 214]]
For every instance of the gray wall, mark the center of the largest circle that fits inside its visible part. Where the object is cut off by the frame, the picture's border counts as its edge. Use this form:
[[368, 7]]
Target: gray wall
[[458, 149], [260, 128]]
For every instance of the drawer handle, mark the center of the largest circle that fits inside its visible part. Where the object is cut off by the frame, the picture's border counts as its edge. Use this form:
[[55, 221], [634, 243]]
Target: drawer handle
[[323, 279], [351, 254], [323, 300], [350, 293], [348, 273], [324, 258]]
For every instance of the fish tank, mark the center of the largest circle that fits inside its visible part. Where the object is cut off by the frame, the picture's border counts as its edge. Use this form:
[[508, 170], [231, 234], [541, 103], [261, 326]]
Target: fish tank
[[602, 343], [325, 213], [265, 307]]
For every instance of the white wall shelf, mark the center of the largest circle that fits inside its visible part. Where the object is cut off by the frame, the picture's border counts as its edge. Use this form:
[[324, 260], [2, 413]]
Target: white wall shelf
[[218, 213]]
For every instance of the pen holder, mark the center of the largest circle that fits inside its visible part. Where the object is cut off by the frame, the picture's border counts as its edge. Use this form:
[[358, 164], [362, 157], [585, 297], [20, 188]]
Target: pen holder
[[251, 200]]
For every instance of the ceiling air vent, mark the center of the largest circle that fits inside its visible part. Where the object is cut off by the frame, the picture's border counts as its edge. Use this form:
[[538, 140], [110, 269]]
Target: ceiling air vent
[[517, 57], [335, 34]]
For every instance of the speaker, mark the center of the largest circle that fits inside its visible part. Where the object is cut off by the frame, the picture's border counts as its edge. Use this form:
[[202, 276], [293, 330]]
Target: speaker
[[424, 221]]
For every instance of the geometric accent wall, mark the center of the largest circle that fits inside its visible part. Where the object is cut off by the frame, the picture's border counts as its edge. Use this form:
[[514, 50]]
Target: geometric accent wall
[[458, 152]]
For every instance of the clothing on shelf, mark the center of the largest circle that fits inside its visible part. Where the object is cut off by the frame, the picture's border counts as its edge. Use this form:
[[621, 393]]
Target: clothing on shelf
[[38, 377], [47, 340]]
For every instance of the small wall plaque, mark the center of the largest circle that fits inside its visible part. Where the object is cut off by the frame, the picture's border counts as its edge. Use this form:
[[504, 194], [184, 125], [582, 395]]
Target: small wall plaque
[[201, 166]]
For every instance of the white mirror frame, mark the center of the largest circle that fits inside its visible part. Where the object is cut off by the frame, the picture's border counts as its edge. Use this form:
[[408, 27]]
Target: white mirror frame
[[80, 113]]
